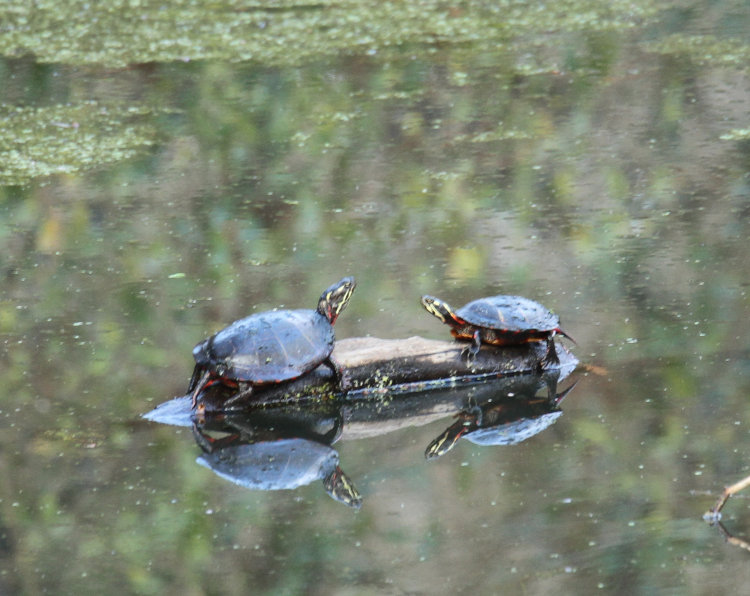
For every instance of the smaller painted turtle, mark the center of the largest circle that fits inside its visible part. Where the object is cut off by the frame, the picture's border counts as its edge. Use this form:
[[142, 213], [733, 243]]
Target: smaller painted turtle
[[504, 420], [271, 347], [499, 321]]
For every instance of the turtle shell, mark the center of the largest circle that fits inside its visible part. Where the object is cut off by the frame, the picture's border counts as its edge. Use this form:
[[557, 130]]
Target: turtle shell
[[268, 347], [511, 314], [514, 432], [273, 465]]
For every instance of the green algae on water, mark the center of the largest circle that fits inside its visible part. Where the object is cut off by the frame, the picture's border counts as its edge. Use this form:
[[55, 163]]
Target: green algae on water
[[120, 33], [41, 141]]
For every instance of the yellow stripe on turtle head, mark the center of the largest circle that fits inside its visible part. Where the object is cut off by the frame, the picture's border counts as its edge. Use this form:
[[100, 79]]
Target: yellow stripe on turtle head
[[335, 298], [438, 308]]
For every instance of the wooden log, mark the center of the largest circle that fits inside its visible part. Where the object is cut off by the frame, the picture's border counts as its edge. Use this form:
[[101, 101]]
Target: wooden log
[[372, 366], [372, 361]]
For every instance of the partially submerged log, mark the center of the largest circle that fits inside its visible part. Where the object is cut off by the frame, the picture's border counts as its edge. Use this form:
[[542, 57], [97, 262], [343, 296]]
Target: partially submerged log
[[371, 366]]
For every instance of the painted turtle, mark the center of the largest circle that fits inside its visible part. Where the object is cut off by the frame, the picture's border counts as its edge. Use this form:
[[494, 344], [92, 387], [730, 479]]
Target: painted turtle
[[504, 420], [500, 321], [281, 464], [270, 347]]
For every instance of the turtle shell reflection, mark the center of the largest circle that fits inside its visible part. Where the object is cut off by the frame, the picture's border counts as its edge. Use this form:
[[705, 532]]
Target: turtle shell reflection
[[510, 414], [266, 454]]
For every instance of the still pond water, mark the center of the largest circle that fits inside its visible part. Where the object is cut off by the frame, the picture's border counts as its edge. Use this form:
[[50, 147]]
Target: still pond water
[[167, 170]]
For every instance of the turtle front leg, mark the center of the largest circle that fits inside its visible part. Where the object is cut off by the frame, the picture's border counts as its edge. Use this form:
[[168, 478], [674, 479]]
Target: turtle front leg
[[205, 442], [470, 352], [550, 356], [340, 373], [200, 384]]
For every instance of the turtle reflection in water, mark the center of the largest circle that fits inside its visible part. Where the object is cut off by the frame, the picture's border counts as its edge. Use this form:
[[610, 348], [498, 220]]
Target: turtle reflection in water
[[271, 347], [499, 321], [508, 420], [265, 459]]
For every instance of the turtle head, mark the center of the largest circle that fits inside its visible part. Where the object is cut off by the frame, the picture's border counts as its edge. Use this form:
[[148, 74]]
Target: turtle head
[[335, 298], [446, 441], [439, 309], [338, 485]]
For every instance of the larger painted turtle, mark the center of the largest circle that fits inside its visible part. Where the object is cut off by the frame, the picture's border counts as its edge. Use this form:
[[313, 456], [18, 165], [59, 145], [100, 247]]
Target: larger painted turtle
[[280, 464], [499, 321], [272, 346]]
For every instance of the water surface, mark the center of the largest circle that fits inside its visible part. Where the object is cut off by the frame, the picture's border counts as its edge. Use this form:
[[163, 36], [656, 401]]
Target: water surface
[[166, 172]]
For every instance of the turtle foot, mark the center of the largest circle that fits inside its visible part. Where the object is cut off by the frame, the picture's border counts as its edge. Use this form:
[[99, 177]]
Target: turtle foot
[[199, 386], [550, 357], [341, 374], [469, 354]]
